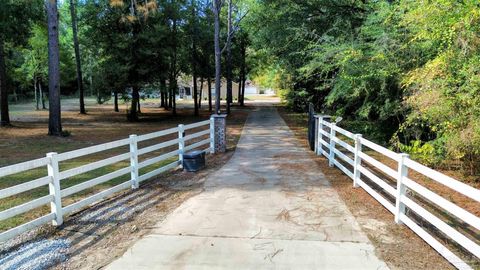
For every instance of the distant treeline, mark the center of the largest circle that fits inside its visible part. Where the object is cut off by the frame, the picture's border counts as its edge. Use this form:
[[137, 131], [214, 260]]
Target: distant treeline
[[119, 47]]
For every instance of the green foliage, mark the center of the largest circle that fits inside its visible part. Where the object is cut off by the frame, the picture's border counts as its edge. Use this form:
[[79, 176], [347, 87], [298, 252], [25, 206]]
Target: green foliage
[[408, 71], [377, 133], [27, 54], [445, 90], [16, 17], [270, 77], [35, 63], [423, 152]]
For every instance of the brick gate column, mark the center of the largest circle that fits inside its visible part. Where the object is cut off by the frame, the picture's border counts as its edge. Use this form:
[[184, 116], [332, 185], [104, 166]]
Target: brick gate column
[[220, 132]]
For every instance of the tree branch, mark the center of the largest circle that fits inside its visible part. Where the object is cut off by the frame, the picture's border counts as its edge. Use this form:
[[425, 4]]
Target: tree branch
[[234, 29]]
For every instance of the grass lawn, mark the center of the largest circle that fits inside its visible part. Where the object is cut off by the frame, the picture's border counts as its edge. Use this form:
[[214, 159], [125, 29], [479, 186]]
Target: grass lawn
[[27, 140]]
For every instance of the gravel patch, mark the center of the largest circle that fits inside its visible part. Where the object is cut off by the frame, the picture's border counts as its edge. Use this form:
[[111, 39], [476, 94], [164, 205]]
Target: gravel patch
[[36, 255], [19, 240], [110, 212]]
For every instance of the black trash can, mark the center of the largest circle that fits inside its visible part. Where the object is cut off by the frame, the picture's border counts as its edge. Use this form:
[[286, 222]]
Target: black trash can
[[194, 161]]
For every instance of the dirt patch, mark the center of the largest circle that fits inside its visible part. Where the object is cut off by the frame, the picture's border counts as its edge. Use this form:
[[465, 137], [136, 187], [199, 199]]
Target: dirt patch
[[389, 239]]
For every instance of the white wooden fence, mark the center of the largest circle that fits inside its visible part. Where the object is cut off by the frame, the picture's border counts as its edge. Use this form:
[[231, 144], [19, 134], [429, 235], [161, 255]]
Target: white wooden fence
[[55, 176], [393, 194]]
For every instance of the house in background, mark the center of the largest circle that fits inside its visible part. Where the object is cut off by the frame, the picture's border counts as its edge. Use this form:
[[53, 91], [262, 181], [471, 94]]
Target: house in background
[[185, 92], [251, 89], [185, 89]]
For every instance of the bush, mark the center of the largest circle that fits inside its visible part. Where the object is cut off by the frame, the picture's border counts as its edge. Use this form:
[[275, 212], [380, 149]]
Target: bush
[[297, 100], [421, 152], [377, 132]]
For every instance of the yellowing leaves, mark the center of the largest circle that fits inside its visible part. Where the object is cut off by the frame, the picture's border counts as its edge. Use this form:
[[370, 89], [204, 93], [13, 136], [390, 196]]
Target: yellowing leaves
[[419, 79], [138, 9], [116, 3]]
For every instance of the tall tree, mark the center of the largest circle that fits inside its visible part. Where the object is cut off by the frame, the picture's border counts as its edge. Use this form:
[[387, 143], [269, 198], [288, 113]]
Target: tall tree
[[229, 54], [243, 44], [206, 56], [209, 82], [34, 68], [54, 122], [4, 115], [200, 93], [123, 29], [78, 63], [133, 75], [217, 9], [174, 67], [194, 56], [15, 20], [231, 30]]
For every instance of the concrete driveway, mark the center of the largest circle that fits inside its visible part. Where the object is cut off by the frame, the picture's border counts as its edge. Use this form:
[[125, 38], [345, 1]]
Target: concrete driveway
[[270, 207]]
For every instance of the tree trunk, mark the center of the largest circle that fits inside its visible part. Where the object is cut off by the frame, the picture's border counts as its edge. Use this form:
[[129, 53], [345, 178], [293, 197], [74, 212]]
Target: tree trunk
[[194, 59], [162, 99], [172, 92], [4, 115], [209, 80], [139, 110], [174, 100], [90, 80], [239, 96], [243, 73], [200, 93], [163, 93], [15, 96], [229, 57], [37, 101], [217, 7], [170, 101], [99, 97], [55, 118], [173, 69], [77, 56], [115, 101], [42, 96], [195, 93], [242, 103], [133, 115]]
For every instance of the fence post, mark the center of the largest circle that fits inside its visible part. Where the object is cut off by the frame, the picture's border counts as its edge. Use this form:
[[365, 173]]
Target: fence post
[[181, 143], [320, 135], [134, 160], [331, 156], [212, 135], [401, 189], [358, 161], [54, 189]]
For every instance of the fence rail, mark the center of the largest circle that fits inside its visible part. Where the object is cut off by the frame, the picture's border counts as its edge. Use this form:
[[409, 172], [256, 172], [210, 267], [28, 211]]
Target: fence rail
[[55, 176], [390, 188]]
